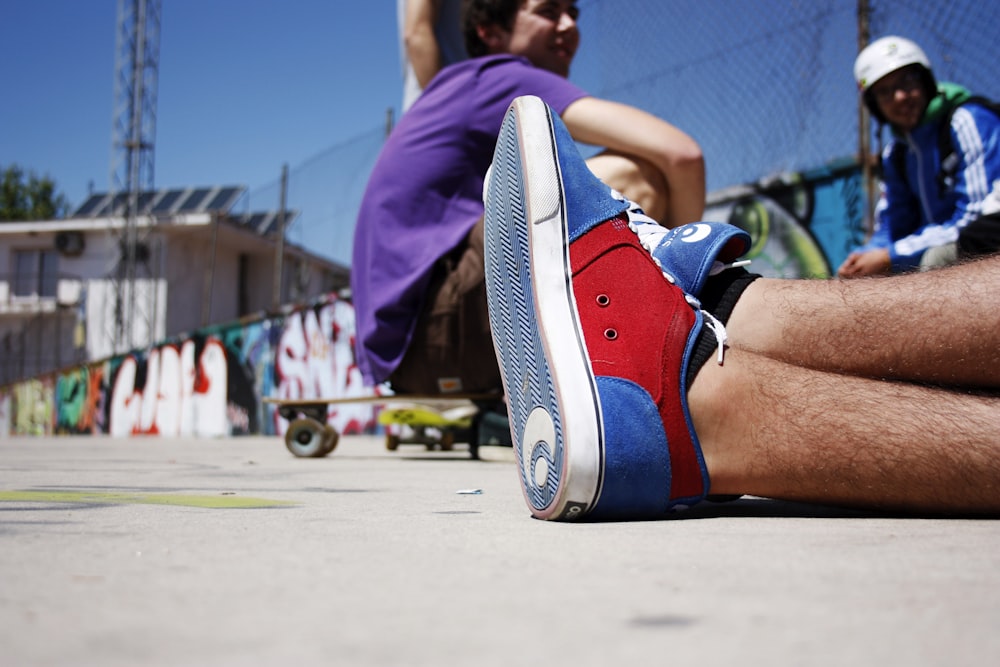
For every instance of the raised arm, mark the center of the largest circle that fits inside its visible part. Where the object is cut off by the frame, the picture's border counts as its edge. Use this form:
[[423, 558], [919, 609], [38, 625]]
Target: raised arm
[[422, 48], [668, 159]]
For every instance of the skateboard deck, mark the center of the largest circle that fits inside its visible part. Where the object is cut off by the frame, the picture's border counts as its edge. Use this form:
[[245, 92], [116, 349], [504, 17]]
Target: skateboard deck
[[435, 427], [436, 421]]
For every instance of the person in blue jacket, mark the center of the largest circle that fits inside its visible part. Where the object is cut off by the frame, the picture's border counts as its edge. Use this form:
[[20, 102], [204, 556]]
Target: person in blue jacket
[[933, 208]]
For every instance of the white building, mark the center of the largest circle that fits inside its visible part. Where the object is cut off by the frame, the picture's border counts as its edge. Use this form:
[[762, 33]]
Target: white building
[[66, 298]]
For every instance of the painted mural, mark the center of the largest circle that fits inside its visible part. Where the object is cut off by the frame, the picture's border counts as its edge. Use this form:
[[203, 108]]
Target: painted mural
[[208, 385], [212, 382], [802, 225]]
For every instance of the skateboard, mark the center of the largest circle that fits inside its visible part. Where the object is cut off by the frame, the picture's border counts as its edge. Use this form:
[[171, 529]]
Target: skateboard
[[436, 421], [434, 427]]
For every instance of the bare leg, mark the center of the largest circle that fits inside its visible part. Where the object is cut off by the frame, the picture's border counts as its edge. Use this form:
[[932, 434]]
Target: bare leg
[[941, 326], [775, 430]]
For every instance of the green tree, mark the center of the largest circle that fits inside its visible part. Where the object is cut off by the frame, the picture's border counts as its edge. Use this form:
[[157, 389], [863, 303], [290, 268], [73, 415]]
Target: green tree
[[28, 197]]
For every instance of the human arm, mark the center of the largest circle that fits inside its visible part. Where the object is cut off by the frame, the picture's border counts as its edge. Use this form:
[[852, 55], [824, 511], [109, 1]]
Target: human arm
[[863, 263], [973, 176], [955, 197], [897, 215], [672, 154], [873, 257], [422, 49]]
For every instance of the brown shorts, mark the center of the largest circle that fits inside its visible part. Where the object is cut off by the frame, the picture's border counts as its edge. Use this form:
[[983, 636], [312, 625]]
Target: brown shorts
[[452, 349]]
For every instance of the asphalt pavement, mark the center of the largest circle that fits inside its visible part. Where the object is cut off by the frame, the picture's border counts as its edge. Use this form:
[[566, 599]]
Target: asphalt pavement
[[168, 551]]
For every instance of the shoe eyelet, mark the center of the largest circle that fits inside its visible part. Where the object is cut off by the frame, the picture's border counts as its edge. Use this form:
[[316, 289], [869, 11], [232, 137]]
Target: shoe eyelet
[[603, 300], [610, 334]]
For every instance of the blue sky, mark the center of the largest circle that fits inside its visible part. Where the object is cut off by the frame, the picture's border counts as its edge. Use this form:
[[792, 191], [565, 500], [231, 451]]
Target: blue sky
[[244, 86]]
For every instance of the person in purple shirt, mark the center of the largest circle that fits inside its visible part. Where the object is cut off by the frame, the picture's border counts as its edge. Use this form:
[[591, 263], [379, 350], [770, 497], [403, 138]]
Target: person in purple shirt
[[417, 276]]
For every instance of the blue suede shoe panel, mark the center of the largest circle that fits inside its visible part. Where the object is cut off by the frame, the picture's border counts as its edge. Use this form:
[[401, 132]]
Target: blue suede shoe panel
[[589, 201], [636, 457]]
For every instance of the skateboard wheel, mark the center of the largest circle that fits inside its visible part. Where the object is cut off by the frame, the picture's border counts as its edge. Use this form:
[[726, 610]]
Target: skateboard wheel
[[391, 442], [447, 441], [330, 440], [306, 438]]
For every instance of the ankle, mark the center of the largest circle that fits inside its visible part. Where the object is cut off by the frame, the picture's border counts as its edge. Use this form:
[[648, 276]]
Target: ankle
[[715, 410]]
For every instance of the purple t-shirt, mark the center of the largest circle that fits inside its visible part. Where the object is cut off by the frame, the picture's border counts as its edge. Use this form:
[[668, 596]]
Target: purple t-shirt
[[426, 193]]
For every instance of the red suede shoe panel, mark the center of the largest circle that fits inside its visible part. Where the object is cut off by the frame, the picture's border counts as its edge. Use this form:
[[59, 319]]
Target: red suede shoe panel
[[636, 326]]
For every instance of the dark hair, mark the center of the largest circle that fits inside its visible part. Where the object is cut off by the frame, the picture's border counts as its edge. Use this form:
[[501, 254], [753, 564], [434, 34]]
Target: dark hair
[[477, 13], [927, 81]]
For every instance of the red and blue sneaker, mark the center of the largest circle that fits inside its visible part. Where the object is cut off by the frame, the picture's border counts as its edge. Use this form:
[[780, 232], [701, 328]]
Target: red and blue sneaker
[[594, 344]]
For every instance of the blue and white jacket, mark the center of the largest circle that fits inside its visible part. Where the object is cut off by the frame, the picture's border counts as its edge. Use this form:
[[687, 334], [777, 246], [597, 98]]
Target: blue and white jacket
[[914, 213]]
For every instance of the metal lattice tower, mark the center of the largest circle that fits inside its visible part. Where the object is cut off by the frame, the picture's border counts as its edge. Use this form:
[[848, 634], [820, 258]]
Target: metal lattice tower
[[137, 56]]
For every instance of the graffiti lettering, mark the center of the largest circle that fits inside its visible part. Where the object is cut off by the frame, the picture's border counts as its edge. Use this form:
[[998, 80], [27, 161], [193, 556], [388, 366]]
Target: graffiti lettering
[[177, 398], [315, 359]]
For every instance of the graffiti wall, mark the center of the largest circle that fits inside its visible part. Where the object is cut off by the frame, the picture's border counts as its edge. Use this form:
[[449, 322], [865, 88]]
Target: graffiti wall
[[208, 384], [212, 382], [803, 225]]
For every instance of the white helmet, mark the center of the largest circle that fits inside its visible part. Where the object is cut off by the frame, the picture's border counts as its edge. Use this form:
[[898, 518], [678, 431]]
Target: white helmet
[[886, 55]]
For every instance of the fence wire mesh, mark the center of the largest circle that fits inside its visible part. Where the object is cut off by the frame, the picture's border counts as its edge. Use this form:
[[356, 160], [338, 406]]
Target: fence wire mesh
[[765, 87]]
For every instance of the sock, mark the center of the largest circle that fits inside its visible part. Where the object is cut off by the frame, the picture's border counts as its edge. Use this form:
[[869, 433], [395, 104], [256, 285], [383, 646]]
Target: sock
[[719, 297]]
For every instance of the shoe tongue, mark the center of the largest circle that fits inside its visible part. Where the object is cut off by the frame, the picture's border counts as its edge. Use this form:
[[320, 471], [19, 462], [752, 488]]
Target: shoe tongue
[[689, 252], [589, 201]]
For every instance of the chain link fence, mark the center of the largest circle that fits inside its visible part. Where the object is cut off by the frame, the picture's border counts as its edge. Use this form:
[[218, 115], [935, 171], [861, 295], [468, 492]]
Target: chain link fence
[[766, 87]]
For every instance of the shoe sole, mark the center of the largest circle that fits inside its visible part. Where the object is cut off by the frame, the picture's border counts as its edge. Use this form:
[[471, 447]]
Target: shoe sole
[[555, 411]]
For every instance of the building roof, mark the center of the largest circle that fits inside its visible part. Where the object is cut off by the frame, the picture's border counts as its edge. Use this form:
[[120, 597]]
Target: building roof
[[171, 202], [166, 202]]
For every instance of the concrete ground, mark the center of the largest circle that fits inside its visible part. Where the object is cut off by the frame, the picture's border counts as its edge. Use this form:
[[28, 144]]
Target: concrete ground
[[162, 551]]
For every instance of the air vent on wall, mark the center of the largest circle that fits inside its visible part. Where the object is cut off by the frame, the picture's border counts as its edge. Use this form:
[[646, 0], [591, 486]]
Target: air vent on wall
[[70, 244]]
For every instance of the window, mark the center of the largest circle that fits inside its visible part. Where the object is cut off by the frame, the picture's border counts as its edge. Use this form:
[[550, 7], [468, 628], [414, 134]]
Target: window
[[35, 273]]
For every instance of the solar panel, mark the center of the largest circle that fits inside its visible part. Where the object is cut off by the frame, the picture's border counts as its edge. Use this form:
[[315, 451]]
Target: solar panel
[[88, 207], [116, 207], [144, 200], [225, 198], [173, 201], [193, 203], [264, 222], [270, 225], [249, 220], [167, 201]]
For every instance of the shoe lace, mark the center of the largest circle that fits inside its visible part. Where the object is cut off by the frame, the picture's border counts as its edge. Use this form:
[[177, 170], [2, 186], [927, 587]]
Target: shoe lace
[[651, 235], [719, 329]]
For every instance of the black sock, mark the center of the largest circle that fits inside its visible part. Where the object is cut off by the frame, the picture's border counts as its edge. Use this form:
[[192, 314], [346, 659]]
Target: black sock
[[719, 297]]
